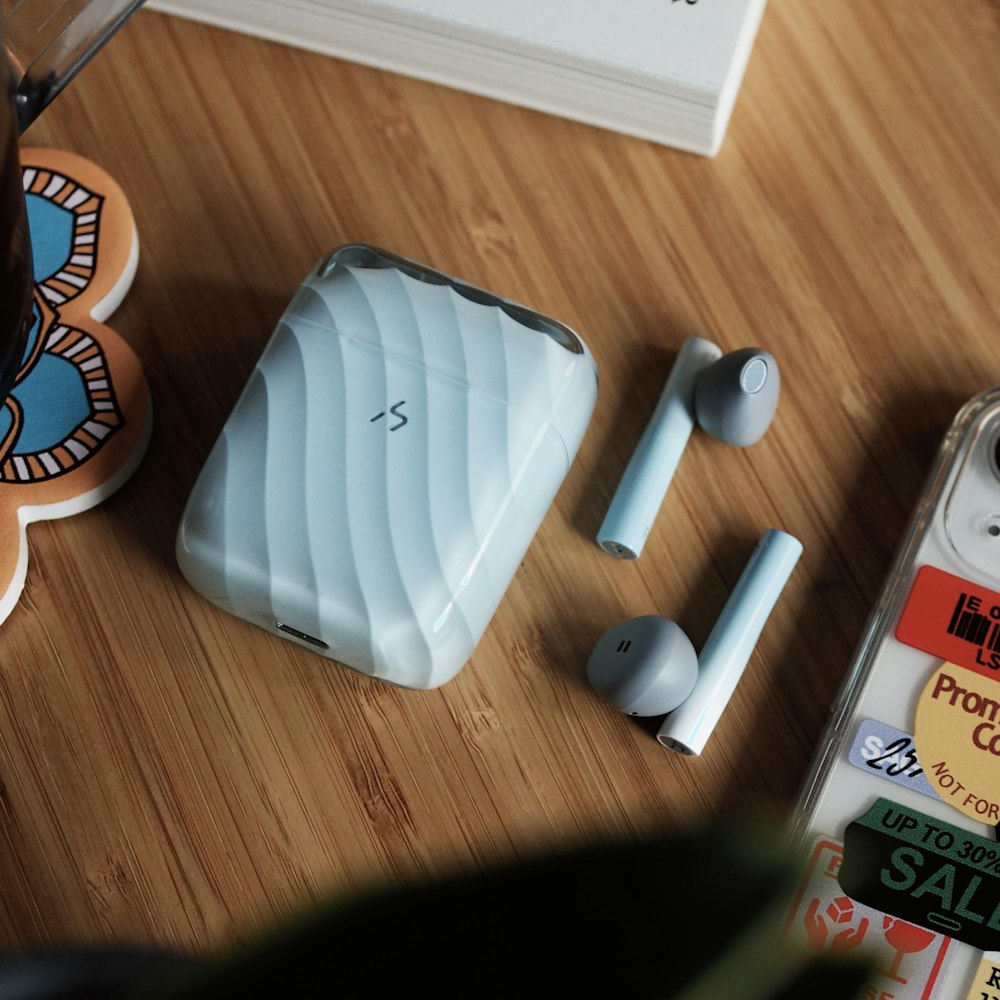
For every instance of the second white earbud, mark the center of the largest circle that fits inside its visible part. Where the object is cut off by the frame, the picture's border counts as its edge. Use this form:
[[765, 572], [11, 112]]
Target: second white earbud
[[647, 666], [644, 666]]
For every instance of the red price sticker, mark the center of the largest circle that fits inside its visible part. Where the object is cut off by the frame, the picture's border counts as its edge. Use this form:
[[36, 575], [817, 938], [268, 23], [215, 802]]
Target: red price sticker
[[954, 619]]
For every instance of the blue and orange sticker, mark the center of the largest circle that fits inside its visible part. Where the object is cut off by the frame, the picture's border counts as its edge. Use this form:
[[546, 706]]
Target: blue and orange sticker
[[77, 421]]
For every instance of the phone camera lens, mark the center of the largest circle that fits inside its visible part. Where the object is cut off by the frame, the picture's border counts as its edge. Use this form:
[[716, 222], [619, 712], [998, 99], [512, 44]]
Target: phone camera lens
[[993, 526]]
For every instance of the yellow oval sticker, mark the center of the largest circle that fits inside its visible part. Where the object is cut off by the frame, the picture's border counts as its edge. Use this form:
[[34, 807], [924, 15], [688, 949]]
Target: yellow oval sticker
[[957, 735]]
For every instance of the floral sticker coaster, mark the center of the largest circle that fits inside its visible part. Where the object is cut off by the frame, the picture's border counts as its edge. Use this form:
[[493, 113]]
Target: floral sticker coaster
[[78, 419]]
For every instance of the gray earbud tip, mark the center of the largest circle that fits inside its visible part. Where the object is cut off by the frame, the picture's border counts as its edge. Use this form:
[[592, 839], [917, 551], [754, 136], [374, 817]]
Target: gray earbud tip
[[737, 395], [645, 666]]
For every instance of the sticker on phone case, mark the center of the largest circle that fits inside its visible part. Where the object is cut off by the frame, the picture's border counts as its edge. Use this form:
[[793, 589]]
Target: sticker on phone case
[[953, 619], [925, 871], [957, 729], [824, 918], [889, 753], [986, 981]]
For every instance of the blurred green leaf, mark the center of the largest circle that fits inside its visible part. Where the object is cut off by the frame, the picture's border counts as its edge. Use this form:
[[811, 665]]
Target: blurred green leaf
[[689, 916]]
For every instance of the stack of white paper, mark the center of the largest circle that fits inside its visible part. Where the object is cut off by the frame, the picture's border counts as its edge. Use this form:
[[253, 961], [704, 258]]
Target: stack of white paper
[[665, 70]]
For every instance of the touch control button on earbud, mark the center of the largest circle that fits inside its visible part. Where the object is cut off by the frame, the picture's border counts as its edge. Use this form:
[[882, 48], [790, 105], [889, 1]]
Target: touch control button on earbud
[[754, 375]]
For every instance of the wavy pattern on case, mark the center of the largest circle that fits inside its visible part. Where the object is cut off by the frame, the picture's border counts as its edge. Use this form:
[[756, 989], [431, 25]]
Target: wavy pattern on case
[[384, 471]]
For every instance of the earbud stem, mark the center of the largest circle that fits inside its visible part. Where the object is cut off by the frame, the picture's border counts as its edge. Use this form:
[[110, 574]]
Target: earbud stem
[[650, 469], [729, 646]]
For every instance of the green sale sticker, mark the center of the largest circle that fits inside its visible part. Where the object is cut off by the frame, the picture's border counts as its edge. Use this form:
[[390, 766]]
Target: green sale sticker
[[926, 871]]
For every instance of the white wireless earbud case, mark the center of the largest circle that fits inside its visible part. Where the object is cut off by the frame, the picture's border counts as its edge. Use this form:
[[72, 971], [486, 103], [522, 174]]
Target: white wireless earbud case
[[387, 465]]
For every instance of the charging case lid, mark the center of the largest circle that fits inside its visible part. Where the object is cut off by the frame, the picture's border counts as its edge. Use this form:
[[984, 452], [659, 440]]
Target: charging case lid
[[387, 465]]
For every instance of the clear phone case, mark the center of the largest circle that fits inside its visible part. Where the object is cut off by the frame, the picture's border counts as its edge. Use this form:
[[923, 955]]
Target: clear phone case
[[899, 814]]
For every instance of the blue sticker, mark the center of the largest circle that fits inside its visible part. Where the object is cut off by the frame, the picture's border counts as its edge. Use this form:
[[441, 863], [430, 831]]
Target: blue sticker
[[889, 753]]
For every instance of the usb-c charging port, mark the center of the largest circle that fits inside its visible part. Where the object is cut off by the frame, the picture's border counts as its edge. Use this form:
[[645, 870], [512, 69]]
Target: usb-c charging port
[[305, 637]]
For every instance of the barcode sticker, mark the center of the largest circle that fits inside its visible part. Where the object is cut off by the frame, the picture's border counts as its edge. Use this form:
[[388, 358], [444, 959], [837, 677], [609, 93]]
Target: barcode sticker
[[969, 623], [954, 619]]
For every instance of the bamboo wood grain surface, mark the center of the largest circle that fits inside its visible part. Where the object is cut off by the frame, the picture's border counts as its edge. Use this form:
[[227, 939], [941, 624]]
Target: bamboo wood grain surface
[[171, 774]]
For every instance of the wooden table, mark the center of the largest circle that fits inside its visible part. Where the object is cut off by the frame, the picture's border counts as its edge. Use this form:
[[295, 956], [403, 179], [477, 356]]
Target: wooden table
[[174, 775]]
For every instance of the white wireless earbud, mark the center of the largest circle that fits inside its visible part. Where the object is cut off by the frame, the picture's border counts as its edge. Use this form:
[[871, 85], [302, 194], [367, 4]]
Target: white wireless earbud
[[733, 397], [647, 666]]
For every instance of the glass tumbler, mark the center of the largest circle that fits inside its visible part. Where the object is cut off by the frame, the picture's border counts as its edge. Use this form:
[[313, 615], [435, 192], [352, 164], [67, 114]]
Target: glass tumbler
[[44, 44]]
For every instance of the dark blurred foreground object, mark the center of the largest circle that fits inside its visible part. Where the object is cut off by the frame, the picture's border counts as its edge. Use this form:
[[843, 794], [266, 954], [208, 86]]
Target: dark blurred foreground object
[[693, 916]]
